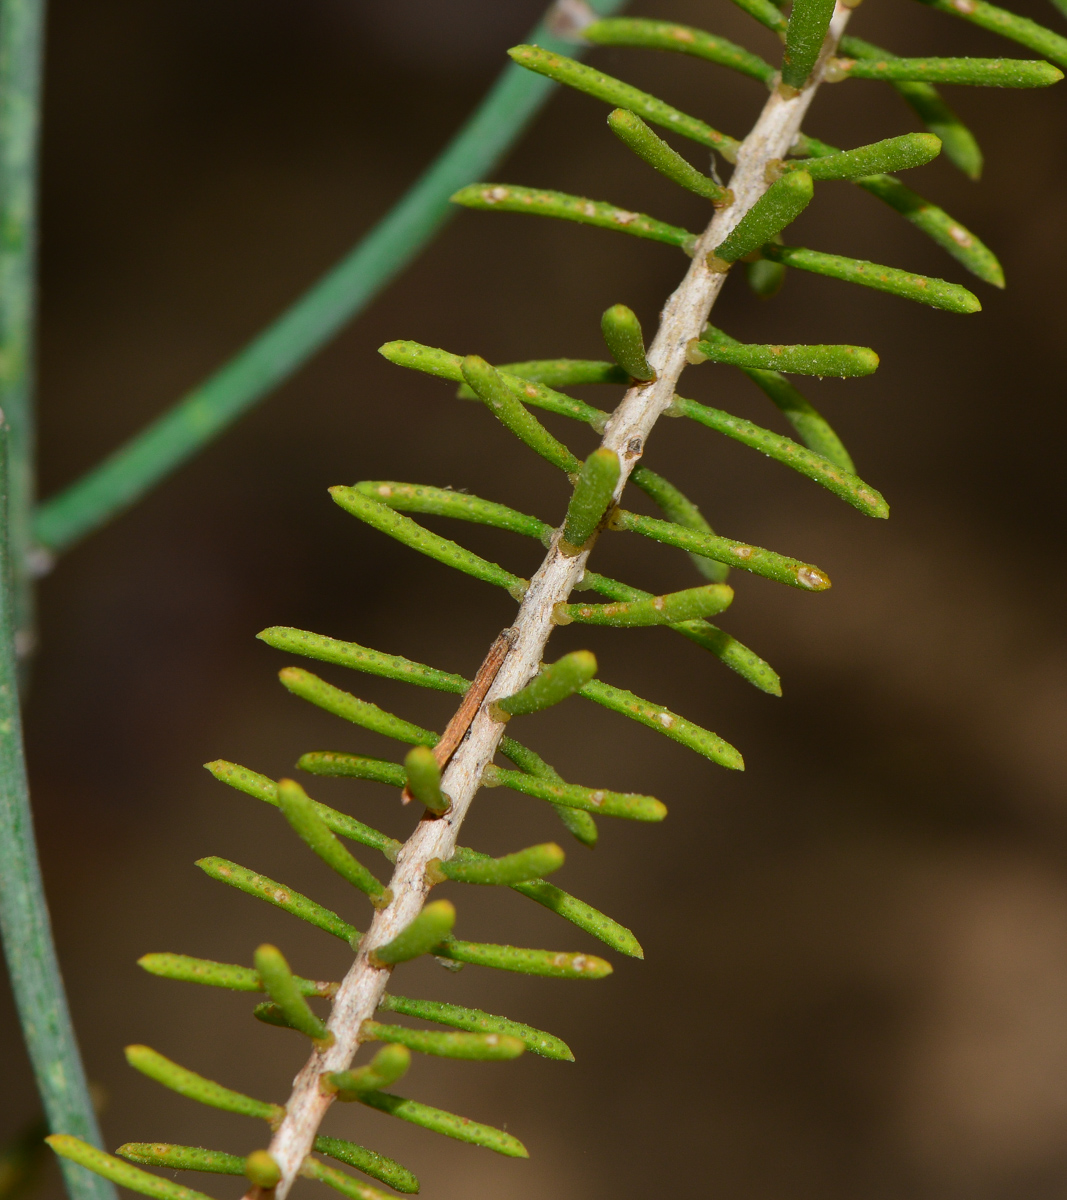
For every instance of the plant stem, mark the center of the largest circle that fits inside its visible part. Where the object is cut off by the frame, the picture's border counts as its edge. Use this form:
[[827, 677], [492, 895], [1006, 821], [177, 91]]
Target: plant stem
[[24, 922], [21, 54], [284, 346], [683, 318]]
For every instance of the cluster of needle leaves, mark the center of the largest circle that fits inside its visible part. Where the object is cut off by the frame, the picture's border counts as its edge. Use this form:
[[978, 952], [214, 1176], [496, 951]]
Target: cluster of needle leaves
[[509, 392]]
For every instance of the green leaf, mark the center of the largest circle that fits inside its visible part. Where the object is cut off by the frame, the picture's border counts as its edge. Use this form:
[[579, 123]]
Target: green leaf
[[890, 154], [299, 810], [666, 35], [809, 22], [550, 963], [814, 430], [278, 894], [835, 479], [652, 149], [576, 821], [182, 1158], [978, 72], [585, 916], [661, 719], [922, 288], [350, 654], [118, 1171], [679, 508], [263, 788], [622, 333], [424, 780], [607, 804], [1007, 24], [386, 1067], [474, 1020], [958, 143], [355, 1189], [542, 202], [523, 865], [778, 207], [842, 361], [388, 1170], [224, 975], [360, 712], [284, 990], [554, 683], [590, 500], [513, 414], [405, 530], [727, 649], [560, 372], [621, 95], [334, 764], [482, 1047], [738, 554], [425, 932], [689, 605], [460, 506], [195, 1087], [262, 1169], [765, 12], [765, 278], [439, 1121]]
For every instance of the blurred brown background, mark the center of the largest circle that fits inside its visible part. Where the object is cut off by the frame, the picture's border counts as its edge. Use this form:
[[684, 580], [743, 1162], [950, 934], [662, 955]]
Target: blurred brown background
[[856, 971]]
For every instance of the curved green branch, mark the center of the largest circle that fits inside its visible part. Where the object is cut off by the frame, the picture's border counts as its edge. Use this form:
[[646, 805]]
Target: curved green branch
[[283, 347]]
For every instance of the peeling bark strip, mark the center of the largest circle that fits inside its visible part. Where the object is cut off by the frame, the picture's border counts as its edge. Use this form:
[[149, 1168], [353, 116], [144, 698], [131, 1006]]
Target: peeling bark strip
[[510, 667]]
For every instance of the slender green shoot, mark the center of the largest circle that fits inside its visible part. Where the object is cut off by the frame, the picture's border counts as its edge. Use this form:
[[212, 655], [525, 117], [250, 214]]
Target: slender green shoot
[[590, 500], [551, 685], [890, 154], [460, 506], [481, 1047], [738, 554], [692, 604], [828, 474], [426, 932], [405, 530], [666, 35], [626, 805], [662, 720], [424, 780], [585, 916], [1007, 24], [621, 95], [378, 1166], [652, 149], [552, 964], [541, 202], [354, 1189], [299, 810], [677, 507], [924, 289], [766, 12], [512, 414], [360, 712], [622, 333], [845, 362], [119, 1172], [439, 1121], [222, 975], [261, 787], [977, 72], [778, 207], [809, 21], [285, 898], [182, 1158], [195, 1087], [280, 984], [386, 1067], [474, 1020], [523, 865]]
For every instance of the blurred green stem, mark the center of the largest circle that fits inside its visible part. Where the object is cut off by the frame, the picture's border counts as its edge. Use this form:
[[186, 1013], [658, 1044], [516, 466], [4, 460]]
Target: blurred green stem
[[283, 347], [24, 922], [21, 53]]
